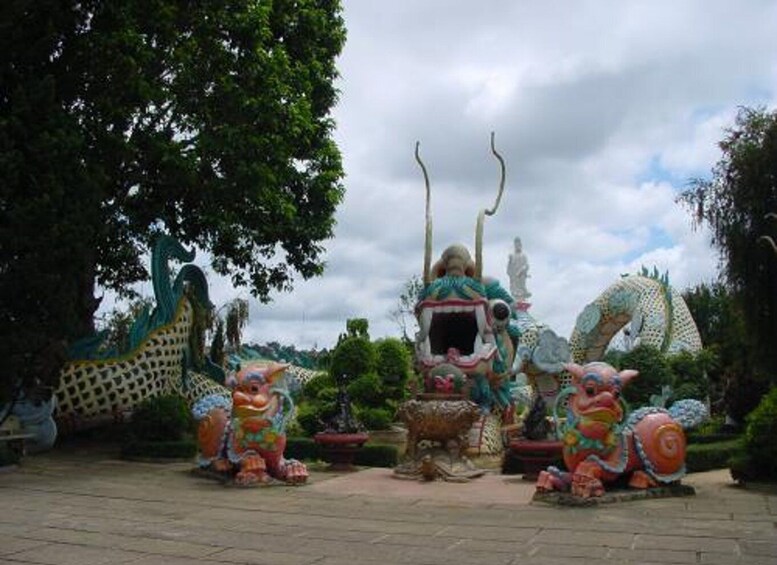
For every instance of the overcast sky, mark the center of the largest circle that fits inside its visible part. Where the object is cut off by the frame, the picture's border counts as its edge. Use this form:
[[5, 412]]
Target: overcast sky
[[603, 110]]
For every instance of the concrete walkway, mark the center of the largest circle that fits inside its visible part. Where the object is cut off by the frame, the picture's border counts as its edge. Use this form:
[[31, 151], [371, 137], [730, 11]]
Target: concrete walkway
[[86, 507]]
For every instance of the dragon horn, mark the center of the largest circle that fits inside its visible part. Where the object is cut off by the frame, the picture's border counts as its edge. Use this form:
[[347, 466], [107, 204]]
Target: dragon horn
[[428, 235], [490, 212]]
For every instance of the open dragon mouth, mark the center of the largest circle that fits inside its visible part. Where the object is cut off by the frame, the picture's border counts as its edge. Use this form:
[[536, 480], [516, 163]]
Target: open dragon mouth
[[456, 332]]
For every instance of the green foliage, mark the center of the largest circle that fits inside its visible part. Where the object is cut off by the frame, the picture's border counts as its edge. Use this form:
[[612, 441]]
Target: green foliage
[[760, 435], [405, 308], [312, 414], [161, 418], [734, 203], [377, 455], [216, 353], [366, 390], [654, 373], [357, 327], [375, 418], [680, 375], [236, 319], [353, 357], [370, 455], [707, 456], [119, 322], [302, 448], [689, 375], [316, 384], [185, 448], [393, 362], [210, 121], [735, 385], [9, 454]]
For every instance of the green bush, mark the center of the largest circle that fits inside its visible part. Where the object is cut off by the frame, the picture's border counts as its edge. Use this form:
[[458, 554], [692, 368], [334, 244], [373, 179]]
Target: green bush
[[370, 455], [393, 362], [161, 418], [8, 454], [377, 455], [354, 356], [366, 390], [302, 448], [712, 455], [375, 418], [316, 384], [689, 375], [172, 449], [654, 374], [760, 435], [311, 416]]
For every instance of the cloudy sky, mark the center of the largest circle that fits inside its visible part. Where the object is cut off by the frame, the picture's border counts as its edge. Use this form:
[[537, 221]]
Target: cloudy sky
[[603, 110]]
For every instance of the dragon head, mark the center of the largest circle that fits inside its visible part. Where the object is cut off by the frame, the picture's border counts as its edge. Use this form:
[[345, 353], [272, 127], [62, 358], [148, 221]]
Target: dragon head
[[458, 317]]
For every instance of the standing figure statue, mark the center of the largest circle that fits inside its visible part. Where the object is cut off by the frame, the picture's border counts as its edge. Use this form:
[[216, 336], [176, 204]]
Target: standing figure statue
[[518, 271]]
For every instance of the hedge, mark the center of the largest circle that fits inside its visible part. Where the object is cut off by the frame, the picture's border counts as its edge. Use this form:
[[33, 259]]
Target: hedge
[[370, 455], [698, 456], [174, 449], [707, 456]]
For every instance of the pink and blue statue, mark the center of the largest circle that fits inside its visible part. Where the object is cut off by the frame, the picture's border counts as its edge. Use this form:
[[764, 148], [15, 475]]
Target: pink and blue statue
[[602, 442], [245, 436]]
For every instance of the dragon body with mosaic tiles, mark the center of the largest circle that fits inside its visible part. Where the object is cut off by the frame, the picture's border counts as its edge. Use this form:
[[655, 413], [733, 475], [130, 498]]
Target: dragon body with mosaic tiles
[[162, 359]]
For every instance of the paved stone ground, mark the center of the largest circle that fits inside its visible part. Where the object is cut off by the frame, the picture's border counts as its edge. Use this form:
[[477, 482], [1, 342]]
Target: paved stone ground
[[84, 507]]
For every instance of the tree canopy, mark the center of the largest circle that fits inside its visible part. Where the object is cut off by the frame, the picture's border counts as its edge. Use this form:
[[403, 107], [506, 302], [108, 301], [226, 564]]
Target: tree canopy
[[735, 202], [209, 121]]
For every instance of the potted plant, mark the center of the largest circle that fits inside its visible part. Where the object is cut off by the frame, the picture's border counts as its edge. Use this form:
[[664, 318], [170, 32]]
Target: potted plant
[[343, 434]]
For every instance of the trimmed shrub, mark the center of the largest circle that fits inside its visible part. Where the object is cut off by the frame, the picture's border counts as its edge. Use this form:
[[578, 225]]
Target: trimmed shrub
[[760, 432], [354, 356], [377, 455], [375, 418], [707, 456], [690, 380], [393, 362], [173, 449], [312, 415], [161, 418], [302, 448], [654, 374], [366, 390], [370, 455], [316, 384]]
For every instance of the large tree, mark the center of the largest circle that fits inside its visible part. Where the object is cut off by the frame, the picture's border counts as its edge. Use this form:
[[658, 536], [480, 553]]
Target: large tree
[[735, 202], [206, 120]]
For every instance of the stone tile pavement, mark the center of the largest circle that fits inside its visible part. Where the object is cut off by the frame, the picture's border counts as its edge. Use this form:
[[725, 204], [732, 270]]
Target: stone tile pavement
[[85, 507]]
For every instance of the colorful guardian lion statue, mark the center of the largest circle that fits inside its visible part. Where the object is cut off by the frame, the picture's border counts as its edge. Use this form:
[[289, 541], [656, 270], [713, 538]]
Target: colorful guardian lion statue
[[603, 443], [246, 436]]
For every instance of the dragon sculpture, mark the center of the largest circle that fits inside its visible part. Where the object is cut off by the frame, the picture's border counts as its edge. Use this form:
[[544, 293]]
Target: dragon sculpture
[[471, 322], [466, 323], [100, 383], [602, 442]]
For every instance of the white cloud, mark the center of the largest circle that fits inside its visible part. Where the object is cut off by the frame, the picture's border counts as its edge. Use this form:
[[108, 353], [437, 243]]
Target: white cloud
[[601, 109]]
